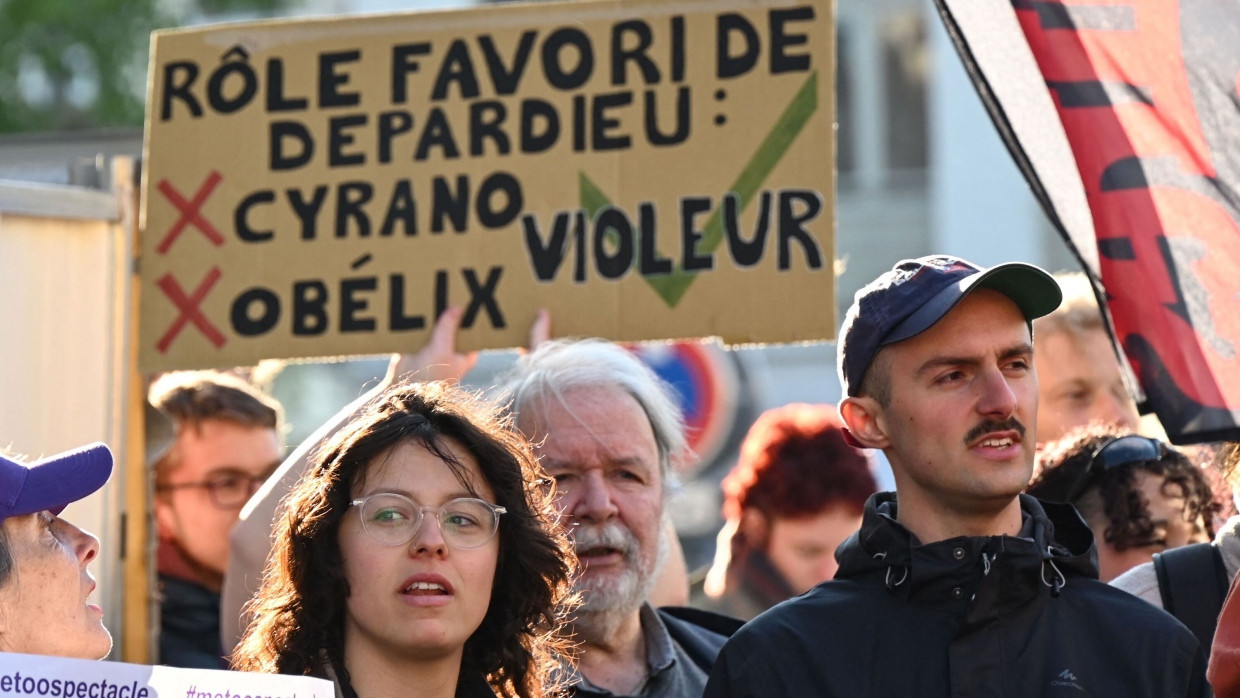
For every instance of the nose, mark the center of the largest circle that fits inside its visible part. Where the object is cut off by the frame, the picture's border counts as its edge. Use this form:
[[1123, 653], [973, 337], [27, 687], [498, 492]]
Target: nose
[[428, 538], [84, 544], [1118, 408], [997, 399], [593, 499]]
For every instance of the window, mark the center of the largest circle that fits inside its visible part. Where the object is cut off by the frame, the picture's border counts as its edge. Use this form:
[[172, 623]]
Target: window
[[846, 136], [905, 64]]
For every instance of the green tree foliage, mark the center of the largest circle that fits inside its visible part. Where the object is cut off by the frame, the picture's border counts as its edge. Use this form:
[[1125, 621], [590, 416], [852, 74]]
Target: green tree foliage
[[69, 64]]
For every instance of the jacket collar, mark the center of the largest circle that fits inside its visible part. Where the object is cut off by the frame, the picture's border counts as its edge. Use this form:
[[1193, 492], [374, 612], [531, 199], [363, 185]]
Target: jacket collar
[[986, 574], [172, 561], [469, 684], [755, 576], [660, 652]]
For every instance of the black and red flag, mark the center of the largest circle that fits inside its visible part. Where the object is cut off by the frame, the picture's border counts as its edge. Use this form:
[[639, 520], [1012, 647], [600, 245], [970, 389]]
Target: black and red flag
[[1136, 101]]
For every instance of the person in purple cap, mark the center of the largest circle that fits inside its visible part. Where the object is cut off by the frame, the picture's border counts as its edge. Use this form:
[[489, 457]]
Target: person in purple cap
[[957, 584], [44, 584]]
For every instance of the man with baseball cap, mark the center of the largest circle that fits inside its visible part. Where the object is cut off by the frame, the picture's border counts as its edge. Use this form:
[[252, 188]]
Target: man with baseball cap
[[44, 583], [957, 584]]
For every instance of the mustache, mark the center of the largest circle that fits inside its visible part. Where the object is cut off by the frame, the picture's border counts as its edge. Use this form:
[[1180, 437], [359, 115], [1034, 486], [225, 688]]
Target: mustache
[[992, 425], [613, 536]]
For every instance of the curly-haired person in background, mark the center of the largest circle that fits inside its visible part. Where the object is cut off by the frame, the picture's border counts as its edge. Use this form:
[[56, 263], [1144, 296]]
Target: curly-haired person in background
[[1139, 495], [417, 556], [797, 491], [1192, 581]]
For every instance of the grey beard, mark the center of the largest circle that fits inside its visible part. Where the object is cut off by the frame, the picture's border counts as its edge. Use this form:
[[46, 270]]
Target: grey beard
[[603, 610]]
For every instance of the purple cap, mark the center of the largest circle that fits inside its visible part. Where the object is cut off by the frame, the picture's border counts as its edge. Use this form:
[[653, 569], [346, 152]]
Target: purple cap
[[917, 293], [52, 483]]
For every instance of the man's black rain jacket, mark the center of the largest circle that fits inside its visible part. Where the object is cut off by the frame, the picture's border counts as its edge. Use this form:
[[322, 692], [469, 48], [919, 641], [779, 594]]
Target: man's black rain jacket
[[991, 617]]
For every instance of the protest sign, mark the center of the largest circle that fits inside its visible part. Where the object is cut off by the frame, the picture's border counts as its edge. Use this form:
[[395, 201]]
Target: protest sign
[[37, 676], [645, 170]]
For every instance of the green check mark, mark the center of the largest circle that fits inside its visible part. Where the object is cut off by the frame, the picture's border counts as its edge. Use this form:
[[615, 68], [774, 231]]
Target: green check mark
[[672, 287]]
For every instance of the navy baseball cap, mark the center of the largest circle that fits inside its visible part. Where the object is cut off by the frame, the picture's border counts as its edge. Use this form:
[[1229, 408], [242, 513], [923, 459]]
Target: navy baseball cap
[[52, 483], [917, 293]]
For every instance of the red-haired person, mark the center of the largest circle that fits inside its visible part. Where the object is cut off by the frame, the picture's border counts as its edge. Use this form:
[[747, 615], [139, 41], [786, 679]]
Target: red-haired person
[[796, 493]]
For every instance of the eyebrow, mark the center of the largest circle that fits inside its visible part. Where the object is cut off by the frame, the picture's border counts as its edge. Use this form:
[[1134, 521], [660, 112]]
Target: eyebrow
[[267, 471], [625, 461], [1022, 349], [1071, 384], [450, 496]]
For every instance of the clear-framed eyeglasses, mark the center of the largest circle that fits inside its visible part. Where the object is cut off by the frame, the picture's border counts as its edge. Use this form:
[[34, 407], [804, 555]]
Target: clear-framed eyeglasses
[[394, 519]]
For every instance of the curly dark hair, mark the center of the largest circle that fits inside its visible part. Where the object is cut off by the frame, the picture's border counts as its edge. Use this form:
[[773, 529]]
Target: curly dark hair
[[299, 611], [1226, 459], [1113, 492]]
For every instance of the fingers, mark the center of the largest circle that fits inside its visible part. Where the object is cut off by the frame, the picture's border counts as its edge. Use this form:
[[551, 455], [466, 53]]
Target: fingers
[[540, 330], [461, 364], [438, 359], [443, 334]]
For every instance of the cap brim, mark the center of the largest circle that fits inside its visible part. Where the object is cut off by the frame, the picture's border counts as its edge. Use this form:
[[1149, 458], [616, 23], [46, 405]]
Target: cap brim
[[54, 483], [1033, 290]]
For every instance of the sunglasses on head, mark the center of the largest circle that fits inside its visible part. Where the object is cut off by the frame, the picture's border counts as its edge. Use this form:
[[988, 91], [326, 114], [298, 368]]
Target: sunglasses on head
[[1115, 453]]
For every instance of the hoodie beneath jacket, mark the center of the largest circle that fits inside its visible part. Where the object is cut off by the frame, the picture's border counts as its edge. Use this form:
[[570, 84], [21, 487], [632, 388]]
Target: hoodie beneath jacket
[[967, 617]]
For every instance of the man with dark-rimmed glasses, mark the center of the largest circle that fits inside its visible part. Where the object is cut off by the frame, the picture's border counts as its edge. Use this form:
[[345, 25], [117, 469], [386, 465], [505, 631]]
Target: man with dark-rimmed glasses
[[957, 583], [1138, 495], [226, 443]]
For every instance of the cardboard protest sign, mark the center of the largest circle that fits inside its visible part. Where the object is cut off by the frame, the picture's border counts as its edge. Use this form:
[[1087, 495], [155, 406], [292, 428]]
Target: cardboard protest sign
[[37, 676], [645, 170]]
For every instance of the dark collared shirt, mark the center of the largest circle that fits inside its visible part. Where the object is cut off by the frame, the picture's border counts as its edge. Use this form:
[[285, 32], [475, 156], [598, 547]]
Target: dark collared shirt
[[671, 673]]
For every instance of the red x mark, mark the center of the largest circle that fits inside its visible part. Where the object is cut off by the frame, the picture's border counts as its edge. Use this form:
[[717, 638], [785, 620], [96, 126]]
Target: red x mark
[[190, 212], [190, 312]]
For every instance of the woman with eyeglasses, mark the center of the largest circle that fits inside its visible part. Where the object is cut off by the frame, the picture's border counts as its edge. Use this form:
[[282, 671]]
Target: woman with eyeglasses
[[417, 556], [1138, 495]]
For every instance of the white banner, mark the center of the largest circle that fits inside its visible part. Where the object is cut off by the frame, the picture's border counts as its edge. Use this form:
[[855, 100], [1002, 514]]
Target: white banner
[[36, 676]]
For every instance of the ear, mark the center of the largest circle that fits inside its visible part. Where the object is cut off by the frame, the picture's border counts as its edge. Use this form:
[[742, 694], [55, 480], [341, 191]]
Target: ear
[[6, 598], [864, 418], [165, 521], [754, 527]]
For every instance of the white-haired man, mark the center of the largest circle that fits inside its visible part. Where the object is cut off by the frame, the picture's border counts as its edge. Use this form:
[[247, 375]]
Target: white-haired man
[[607, 431]]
